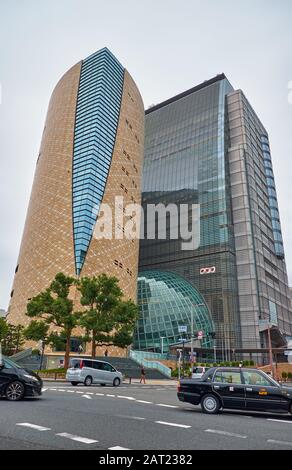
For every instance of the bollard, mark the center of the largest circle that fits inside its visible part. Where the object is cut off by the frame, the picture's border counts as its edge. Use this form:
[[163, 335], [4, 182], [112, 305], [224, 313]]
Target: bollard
[[130, 380]]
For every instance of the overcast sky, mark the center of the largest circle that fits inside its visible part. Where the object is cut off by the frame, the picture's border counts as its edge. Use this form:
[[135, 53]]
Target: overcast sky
[[168, 46]]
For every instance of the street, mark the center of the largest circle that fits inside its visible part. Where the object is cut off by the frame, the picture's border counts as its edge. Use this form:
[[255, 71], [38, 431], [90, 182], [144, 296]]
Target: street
[[132, 417]]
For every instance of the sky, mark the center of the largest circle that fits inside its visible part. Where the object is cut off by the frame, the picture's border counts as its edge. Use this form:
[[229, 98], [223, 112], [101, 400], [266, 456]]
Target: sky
[[168, 46]]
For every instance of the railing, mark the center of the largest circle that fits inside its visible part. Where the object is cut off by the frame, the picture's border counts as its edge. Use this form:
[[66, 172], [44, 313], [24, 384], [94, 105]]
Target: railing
[[22, 354], [141, 358]]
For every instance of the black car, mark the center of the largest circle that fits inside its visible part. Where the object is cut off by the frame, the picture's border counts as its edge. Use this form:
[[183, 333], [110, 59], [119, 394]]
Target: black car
[[16, 382], [237, 388]]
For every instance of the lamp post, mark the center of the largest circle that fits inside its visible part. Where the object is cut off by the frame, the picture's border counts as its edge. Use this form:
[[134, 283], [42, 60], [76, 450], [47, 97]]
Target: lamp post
[[192, 329], [270, 351]]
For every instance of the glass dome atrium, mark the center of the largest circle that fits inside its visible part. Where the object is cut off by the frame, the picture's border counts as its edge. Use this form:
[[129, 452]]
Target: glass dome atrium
[[166, 301]]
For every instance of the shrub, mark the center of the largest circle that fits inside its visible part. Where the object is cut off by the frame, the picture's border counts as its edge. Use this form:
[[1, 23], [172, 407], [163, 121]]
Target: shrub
[[289, 375], [284, 375]]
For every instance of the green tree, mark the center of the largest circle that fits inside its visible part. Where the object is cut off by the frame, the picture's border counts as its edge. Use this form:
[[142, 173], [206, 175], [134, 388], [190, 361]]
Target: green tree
[[11, 337], [55, 308], [109, 321]]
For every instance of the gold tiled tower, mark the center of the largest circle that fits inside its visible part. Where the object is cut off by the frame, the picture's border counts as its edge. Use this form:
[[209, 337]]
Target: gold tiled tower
[[91, 152]]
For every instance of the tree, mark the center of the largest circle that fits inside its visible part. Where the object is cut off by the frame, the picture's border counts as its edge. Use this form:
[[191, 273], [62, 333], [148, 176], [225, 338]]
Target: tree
[[109, 321], [55, 308], [11, 337]]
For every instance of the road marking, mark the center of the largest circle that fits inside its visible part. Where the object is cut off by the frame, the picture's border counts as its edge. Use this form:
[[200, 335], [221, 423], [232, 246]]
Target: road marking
[[118, 448], [52, 389], [44, 389], [225, 433], [173, 424], [100, 394], [61, 390], [167, 406], [144, 401], [33, 426], [70, 391], [80, 392], [279, 420], [108, 395], [127, 398], [89, 393], [285, 443], [87, 396], [85, 440]]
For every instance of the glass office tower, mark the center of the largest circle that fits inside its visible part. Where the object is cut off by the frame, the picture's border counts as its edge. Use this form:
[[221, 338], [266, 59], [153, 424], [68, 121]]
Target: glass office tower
[[189, 140]]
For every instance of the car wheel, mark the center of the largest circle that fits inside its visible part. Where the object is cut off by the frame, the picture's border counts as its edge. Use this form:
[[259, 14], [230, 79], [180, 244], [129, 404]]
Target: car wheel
[[15, 391], [210, 404], [116, 382], [74, 383], [88, 381]]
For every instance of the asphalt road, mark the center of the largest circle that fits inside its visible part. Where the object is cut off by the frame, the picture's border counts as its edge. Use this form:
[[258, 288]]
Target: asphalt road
[[132, 417]]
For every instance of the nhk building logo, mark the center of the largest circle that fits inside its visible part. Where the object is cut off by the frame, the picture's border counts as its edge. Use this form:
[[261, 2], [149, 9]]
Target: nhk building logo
[[210, 270]]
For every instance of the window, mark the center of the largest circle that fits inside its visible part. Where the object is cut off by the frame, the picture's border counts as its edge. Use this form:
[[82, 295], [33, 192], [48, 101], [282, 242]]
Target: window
[[256, 378], [87, 363], [107, 367], [97, 365], [228, 377]]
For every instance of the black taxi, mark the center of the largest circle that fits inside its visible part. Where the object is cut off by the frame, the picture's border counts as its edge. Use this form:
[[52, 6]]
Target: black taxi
[[237, 388]]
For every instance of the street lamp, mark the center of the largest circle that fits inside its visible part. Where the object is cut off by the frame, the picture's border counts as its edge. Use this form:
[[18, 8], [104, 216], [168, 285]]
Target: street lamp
[[192, 329]]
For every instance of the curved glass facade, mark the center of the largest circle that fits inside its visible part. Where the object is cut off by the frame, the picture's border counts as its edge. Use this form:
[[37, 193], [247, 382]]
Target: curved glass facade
[[97, 115], [166, 301]]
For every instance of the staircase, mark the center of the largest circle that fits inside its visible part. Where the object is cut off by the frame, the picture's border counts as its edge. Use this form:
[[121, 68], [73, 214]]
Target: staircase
[[28, 361], [131, 369]]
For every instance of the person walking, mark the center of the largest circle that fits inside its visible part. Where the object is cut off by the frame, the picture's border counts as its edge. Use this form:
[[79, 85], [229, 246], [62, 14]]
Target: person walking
[[143, 376], [106, 353]]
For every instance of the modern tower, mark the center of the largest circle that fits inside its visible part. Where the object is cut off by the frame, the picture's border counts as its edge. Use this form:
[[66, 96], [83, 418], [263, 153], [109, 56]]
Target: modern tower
[[91, 152], [207, 146]]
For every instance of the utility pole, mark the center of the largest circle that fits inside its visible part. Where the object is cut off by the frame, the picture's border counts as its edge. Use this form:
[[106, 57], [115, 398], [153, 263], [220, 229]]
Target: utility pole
[[270, 351]]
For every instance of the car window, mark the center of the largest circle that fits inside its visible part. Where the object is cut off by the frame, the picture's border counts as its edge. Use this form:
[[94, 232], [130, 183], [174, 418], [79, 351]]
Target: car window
[[87, 363], [75, 363], [10, 364], [97, 365], [227, 377], [256, 378], [198, 370], [108, 367]]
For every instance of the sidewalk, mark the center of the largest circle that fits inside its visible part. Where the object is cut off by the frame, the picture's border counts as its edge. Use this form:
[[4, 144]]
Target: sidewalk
[[133, 381]]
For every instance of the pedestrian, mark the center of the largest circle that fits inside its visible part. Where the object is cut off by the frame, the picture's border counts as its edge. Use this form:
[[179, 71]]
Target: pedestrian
[[106, 353], [143, 376]]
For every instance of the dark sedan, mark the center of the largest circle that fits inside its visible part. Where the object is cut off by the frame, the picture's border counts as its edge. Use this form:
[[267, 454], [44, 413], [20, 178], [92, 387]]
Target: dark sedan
[[16, 382], [237, 388]]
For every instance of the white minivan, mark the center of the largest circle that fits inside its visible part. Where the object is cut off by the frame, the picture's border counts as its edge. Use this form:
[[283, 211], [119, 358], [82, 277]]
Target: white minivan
[[90, 371]]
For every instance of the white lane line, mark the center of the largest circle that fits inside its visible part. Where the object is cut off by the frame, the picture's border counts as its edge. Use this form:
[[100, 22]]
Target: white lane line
[[126, 398], [118, 448], [144, 401], [33, 426], [44, 389], [61, 390], [279, 420], [108, 395], [87, 396], [173, 424], [70, 391], [85, 440], [285, 443], [225, 433], [52, 389], [166, 406], [89, 393], [79, 393], [100, 394]]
